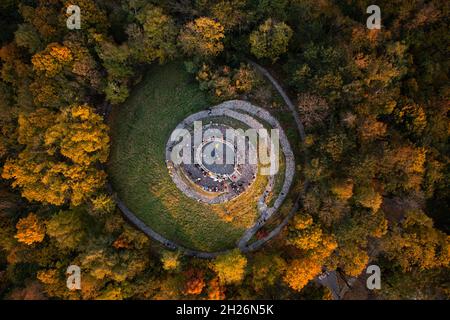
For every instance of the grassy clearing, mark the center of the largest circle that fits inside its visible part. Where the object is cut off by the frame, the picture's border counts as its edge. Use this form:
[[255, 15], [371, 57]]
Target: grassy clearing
[[140, 129]]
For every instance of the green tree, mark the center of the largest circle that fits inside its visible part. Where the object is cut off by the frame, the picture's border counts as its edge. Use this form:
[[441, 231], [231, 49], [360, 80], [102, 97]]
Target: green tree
[[415, 243], [67, 228], [270, 40], [231, 14], [117, 62], [155, 38], [26, 36], [266, 270]]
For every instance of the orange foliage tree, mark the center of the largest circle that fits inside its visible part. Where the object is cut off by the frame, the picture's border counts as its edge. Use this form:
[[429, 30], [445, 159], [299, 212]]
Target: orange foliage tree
[[195, 282], [315, 247], [30, 230], [215, 290]]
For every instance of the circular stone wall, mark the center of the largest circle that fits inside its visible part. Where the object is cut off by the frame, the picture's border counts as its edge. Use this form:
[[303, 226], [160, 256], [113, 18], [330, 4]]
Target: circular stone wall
[[213, 162]]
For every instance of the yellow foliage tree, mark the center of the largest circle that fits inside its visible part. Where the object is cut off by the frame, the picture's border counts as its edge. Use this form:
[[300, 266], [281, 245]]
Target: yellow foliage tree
[[80, 135], [315, 246], [58, 163], [304, 235], [415, 243], [309, 237], [170, 260], [52, 60], [202, 37], [355, 258], [48, 277], [230, 267], [343, 190], [369, 198], [103, 204]]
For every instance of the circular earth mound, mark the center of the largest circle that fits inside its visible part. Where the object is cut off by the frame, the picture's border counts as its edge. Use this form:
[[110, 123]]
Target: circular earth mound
[[212, 202]]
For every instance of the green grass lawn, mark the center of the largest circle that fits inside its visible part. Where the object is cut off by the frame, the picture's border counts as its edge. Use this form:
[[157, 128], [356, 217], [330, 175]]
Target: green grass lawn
[[140, 129]]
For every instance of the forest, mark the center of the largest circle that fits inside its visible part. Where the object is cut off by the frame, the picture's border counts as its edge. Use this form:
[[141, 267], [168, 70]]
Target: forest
[[375, 108]]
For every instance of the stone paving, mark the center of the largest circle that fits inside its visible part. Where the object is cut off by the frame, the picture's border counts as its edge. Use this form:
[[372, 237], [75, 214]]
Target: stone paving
[[231, 109]]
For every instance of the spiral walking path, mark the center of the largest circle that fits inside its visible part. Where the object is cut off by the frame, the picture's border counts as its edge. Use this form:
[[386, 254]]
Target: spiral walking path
[[231, 109]]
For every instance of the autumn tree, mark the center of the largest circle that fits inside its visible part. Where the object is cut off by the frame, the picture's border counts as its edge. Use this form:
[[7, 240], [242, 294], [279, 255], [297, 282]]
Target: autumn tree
[[216, 290], [343, 189], [412, 116], [227, 83], [104, 262], [61, 151], [155, 37], [266, 269], [230, 267], [270, 40], [170, 260], [116, 59], [313, 110], [202, 37], [93, 17], [43, 17], [415, 243], [16, 72], [26, 36], [195, 282], [300, 271], [66, 227], [79, 135], [103, 204], [315, 249], [85, 67], [368, 197], [403, 166], [353, 237], [371, 129], [230, 13], [30, 229], [52, 60]]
